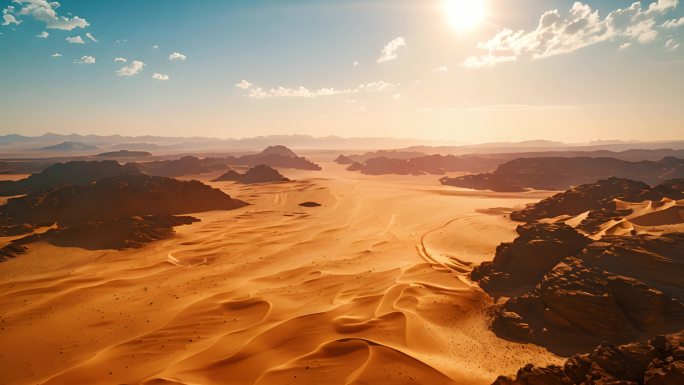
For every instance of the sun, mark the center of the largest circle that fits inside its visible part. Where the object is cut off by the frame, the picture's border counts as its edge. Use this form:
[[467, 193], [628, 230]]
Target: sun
[[464, 14]]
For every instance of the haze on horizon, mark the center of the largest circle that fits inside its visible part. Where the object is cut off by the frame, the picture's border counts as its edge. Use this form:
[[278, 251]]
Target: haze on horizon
[[477, 71]]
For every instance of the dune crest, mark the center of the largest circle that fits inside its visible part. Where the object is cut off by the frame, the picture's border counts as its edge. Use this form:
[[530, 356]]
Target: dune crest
[[273, 293]]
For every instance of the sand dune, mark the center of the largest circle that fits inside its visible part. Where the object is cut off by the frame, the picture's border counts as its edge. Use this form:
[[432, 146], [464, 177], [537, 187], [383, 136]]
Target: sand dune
[[647, 217], [370, 287]]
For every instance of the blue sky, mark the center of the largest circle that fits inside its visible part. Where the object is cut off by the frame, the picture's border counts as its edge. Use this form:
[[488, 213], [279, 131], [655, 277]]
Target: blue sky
[[612, 78]]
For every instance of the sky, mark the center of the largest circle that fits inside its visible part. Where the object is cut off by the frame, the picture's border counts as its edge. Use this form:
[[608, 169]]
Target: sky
[[457, 70]]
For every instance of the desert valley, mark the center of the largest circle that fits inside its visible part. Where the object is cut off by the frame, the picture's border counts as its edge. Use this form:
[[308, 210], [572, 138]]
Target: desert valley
[[276, 268], [326, 192]]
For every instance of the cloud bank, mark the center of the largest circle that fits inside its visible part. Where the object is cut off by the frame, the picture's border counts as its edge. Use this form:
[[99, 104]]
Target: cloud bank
[[582, 27]]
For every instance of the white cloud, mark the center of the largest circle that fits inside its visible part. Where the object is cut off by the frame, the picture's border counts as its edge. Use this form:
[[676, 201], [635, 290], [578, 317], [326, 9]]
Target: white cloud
[[155, 46], [441, 69], [120, 59], [488, 60], [43, 35], [304, 92], [56, 54], [10, 19], [158, 76], [625, 46], [582, 27], [87, 60], [177, 56], [671, 44], [75, 40], [356, 63], [44, 11], [389, 52], [243, 84], [674, 23], [91, 37], [134, 68]]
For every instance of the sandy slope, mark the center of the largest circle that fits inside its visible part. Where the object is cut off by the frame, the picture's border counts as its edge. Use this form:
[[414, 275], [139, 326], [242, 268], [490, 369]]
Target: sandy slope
[[647, 217], [367, 289]]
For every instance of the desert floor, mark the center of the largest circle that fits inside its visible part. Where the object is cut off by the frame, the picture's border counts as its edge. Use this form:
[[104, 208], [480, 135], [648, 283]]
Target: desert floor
[[369, 288]]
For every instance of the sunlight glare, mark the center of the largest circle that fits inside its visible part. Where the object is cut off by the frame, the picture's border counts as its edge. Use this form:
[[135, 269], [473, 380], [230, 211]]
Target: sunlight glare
[[464, 14]]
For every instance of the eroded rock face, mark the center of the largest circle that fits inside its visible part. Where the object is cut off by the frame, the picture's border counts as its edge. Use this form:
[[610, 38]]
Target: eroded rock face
[[343, 159], [569, 293], [70, 173], [592, 304], [597, 198], [117, 212], [558, 173], [277, 156], [259, 174], [523, 262], [659, 361], [187, 165]]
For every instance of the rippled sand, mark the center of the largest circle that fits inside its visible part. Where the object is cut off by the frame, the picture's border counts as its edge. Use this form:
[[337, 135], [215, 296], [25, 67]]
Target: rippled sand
[[370, 288]]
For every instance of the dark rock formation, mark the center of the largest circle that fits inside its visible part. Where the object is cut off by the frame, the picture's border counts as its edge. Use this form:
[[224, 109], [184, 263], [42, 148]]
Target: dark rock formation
[[522, 263], [259, 174], [310, 204], [126, 195], [276, 156], [342, 159], [116, 212], [569, 294], [659, 361], [279, 150], [187, 165], [115, 233], [356, 166], [426, 164], [558, 173], [597, 198], [124, 154], [71, 173]]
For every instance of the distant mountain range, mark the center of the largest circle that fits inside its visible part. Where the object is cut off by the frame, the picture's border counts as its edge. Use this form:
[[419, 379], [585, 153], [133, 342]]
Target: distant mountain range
[[22, 143], [69, 147]]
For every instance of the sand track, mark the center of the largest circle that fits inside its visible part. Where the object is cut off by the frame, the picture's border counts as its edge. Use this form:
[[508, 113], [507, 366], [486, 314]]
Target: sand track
[[367, 288]]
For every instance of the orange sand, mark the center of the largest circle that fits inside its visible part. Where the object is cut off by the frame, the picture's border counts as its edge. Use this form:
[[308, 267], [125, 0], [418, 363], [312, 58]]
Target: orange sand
[[370, 288]]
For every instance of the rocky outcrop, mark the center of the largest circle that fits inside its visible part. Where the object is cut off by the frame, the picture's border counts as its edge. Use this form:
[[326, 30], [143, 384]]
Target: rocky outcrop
[[599, 200], [119, 211], [558, 173], [70, 173], [121, 196], [342, 159], [276, 156], [187, 165], [575, 306], [425, 164], [115, 234], [568, 294], [660, 361], [356, 166], [259, 174], [522, 263], [310, 204]]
